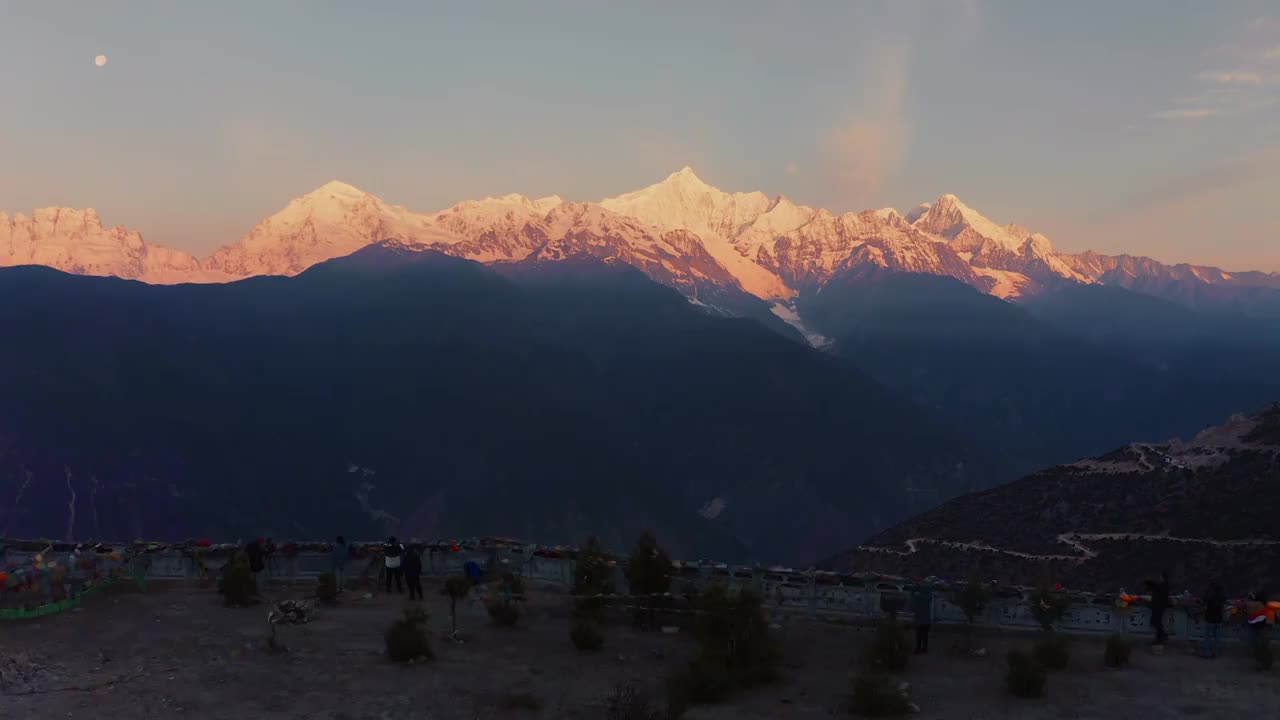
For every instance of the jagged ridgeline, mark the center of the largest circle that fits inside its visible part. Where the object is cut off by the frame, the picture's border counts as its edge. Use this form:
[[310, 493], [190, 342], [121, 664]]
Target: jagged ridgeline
[[769, 247]]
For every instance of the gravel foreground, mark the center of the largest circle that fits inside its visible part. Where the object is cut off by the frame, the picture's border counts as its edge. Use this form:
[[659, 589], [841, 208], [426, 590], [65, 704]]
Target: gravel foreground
[[177, 653]]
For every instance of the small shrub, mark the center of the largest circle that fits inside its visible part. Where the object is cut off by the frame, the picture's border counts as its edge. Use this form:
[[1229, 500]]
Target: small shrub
[[512, 584], [626, 702], [888, 651], [239, 586], [1052, 651], [591, 572], [707, 681], [689, 590], [504, 614], [407, 637], [492, 569], [1027, 677], [875, 694], [1262, 654], [1118, 650], [519, 700], [586, 635], [649, 572], [972, 598], [736, 651], [734, 633], [892, 603], [327, 589], [456, 587]]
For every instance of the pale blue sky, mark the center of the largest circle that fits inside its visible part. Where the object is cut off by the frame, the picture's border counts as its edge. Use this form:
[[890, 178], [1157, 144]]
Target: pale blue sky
[[1149, 127]]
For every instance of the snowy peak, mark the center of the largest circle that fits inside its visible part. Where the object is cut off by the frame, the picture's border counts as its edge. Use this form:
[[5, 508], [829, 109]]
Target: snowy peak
[[544, 204], [676, 258], [687, 178], [681, 231], [334, 220], [1022, 261], [541, 205], [810, 253], [781, 201], [333, 194], [584, 216], [887, 214], [683, 200], [721, 220], [1020, 231], [472, 218], [950, 218], [780, 218], [1037, 245], [335, 188], [329, 203], [61, 219], [75, 241], [919, 210]]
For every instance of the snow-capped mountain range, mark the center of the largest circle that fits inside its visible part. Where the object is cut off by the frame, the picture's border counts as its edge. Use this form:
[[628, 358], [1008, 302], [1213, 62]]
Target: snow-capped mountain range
[[681, 232]]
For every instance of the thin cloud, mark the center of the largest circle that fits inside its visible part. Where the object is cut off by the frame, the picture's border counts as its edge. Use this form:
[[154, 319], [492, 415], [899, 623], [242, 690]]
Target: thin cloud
[[870, 145], [1178, 192], [1248, 43], [1185, 113], [1186, 211], [867, 147], [1243, 88], [1211, 96], [1232, 77], [793, 169]]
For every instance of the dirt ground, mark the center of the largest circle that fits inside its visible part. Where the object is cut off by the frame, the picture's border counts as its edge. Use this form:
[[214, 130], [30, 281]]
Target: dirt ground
[[177, 653]]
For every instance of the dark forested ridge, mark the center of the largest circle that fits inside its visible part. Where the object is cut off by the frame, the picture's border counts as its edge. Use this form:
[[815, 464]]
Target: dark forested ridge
[[411, 391], [428, 395], [1064, 376]]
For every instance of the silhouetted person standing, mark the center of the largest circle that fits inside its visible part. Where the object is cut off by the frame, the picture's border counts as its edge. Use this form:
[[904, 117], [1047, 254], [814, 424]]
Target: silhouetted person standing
[[269, 550], [1256, 615], [393, 554], [1159, 604], [1214, 604], [338, 558], [412, 567], [922, 610], [254, 552]]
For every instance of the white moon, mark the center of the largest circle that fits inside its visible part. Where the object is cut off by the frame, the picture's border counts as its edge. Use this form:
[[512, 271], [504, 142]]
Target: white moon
[[100, 60]]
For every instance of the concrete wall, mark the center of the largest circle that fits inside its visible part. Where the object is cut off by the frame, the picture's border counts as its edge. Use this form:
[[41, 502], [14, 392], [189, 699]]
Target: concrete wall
[[815, 594]]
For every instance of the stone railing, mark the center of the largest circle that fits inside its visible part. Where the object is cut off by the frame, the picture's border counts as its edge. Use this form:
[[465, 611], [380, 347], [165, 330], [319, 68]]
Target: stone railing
[[825, 596]]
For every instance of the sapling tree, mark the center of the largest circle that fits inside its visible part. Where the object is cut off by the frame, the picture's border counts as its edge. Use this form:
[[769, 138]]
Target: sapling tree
[[456, 588], [649, 572], [972, 598]]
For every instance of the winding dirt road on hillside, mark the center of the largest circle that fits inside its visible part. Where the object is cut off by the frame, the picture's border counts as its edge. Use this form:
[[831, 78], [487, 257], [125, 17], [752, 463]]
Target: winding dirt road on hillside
[[1074, 540]]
